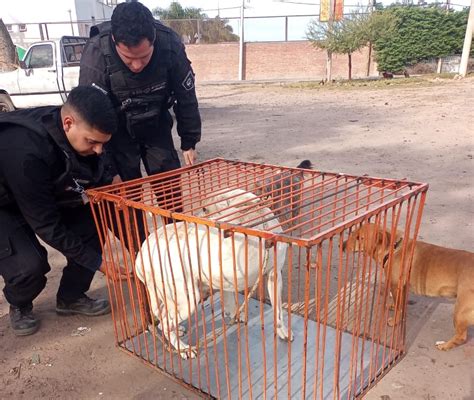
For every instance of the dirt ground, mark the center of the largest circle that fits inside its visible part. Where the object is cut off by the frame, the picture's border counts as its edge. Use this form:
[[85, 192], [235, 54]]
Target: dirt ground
[[421, 130]]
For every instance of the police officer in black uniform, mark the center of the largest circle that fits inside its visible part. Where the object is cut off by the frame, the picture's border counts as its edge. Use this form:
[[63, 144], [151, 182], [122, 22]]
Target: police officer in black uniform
[[143, 66], [48, 157]]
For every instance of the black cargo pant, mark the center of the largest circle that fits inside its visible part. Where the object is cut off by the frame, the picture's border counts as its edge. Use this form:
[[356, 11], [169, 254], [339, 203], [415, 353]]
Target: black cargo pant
[[127, 155], [24, 262]]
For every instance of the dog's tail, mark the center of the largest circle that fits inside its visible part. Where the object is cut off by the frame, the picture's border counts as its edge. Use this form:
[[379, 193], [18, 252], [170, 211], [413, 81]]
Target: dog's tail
[[305, 164]]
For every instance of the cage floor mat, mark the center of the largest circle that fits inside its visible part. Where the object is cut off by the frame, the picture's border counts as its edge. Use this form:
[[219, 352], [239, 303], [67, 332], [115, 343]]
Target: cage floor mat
[[261, 372]]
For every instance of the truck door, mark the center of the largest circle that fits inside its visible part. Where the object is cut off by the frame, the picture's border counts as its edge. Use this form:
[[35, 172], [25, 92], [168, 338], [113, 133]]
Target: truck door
[[39, 79]]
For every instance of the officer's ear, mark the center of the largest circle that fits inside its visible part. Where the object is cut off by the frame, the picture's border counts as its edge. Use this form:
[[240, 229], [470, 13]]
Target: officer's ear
[[68, 121]]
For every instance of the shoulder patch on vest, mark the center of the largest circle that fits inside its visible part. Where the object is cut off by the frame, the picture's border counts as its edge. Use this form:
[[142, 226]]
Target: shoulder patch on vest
[[188, 82]]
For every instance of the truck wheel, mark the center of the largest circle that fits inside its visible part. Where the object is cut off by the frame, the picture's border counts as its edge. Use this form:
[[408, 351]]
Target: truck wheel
[[6, 104]]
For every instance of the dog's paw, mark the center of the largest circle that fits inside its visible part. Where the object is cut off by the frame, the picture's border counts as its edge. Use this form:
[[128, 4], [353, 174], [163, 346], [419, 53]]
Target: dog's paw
[[392, 322], [283, 333], [442, 345], [237, 319], [188, 352], [291, 337]]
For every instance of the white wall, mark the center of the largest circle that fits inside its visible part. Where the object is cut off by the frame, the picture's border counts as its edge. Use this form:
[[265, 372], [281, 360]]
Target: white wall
[[86, 9], [33, 12], [91, 9]]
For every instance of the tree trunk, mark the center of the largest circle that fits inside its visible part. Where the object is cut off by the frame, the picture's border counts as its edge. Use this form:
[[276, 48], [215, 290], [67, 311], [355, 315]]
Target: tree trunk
[[350, 65], [328, 66], [8, 56], [369, 59]]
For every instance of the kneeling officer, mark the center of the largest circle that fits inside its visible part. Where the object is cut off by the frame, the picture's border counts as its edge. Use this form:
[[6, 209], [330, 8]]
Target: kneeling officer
[[48, 157]]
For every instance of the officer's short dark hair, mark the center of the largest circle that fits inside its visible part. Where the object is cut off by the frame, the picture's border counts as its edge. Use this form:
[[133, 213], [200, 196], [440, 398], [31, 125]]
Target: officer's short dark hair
[[94, 107], [131, 23]]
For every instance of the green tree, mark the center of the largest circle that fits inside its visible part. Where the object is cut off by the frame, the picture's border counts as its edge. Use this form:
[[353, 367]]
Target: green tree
[[216, 30], [192, 23], [340, 37], [376, 26], [419, 34]]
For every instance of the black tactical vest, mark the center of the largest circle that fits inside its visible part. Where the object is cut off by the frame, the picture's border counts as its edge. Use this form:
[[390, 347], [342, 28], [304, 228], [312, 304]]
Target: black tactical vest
[[78, 173], [141, 98]]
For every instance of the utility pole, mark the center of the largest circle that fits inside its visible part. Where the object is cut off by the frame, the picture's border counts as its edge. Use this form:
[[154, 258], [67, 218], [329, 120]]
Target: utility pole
[[241, 44], [467, 42], [369, 51], [329, 53], [440, 59], [70, 19]]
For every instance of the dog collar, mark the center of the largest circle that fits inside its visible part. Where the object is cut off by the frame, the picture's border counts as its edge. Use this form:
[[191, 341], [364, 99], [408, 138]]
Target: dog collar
[[395, 246]]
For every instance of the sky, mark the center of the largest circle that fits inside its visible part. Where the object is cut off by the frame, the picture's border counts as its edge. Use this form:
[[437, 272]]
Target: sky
[[256, 29], [230, 8], [269, 29], [261, 29]]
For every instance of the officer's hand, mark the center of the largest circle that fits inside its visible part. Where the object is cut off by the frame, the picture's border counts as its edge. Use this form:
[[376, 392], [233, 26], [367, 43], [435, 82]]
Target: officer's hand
[[189, 156], [109, 271], [116, 179]]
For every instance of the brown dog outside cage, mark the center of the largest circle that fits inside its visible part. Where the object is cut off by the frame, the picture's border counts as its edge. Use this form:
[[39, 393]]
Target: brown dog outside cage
[[240, 283]]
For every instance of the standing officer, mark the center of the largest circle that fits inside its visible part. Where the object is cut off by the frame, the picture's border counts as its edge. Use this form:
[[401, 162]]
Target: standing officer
[[143, 66], [48, 156]]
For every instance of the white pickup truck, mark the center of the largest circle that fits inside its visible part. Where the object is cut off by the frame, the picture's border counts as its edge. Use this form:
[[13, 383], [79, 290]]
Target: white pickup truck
[[48, 72]]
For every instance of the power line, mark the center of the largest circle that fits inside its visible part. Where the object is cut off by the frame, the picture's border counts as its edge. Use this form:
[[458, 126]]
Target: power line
[[221, 8], [296, 2]]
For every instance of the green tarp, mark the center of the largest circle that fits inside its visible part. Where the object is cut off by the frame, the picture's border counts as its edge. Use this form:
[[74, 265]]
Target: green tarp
[[20, 51]]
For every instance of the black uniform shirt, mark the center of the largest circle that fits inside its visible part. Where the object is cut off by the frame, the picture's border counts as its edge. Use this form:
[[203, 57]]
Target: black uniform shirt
[[181, 82], [29, 165]]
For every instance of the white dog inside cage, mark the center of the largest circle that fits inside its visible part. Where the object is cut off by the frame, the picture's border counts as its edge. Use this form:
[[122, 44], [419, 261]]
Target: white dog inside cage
[[177, 261]]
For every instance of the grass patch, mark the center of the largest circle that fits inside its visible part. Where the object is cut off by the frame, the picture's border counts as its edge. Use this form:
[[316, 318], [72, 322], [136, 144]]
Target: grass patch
[[425, 80]]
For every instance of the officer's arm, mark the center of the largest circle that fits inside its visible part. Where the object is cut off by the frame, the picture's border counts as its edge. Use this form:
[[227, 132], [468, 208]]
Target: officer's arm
[[186, 107], [29, 179], [93, 72]]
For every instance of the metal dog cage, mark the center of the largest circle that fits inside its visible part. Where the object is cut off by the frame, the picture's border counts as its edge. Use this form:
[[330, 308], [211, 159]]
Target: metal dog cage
[[217, 214]]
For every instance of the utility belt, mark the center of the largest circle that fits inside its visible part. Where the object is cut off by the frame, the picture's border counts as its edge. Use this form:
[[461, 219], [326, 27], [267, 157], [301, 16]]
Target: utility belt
[[142, 115]]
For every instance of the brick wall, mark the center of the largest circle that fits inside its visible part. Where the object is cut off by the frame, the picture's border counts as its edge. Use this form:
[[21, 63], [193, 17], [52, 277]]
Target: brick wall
[[271, 60]]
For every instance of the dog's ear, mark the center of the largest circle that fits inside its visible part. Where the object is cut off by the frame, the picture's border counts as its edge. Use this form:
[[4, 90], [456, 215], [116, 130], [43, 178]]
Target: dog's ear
[[385, 238], [380, 237], [305, 164]]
